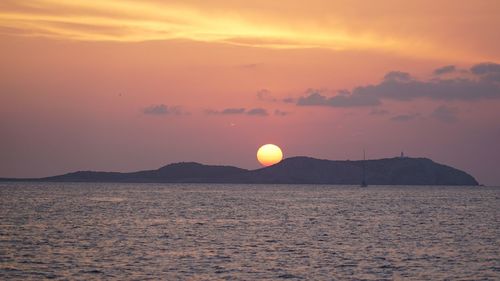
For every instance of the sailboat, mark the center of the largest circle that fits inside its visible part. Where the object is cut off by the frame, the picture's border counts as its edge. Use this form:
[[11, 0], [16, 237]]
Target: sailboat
[[363, 180]]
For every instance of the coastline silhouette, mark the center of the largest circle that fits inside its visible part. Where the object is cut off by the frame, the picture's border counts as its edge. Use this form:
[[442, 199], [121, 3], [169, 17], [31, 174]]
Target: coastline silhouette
[[294, 170]]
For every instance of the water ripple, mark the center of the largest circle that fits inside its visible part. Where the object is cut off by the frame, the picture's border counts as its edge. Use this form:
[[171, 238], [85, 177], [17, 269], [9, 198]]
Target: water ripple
[[247, 232]]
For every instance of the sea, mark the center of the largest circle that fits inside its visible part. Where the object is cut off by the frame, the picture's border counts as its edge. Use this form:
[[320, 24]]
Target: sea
[[116, 231]]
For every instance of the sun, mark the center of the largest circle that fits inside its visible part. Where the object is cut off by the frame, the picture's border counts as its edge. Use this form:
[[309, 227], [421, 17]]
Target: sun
[[269, 154]]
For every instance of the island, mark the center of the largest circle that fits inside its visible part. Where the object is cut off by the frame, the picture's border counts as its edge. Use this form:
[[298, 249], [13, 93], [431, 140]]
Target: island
[[294, 170]]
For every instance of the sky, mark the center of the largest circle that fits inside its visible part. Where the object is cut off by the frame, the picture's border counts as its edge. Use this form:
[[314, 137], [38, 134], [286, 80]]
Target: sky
[[135, 85]]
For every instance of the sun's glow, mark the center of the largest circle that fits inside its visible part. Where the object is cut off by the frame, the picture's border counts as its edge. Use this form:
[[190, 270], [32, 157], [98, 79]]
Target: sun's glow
[[269, 154], [130, 21]]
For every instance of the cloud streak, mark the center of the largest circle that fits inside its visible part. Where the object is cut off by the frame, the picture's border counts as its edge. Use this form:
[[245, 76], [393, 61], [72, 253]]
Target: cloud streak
[[239, 111], [266, 95], [150, 20], [445, 69], [278, 112], [401, 86], [405, 117], [257, 112], [162, 109], [445, 114], [342, 99], [227, 111], [489, 72], [236, 24]]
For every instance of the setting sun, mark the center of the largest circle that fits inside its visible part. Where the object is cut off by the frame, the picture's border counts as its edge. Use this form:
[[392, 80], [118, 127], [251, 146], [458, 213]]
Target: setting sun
[[269, 154]]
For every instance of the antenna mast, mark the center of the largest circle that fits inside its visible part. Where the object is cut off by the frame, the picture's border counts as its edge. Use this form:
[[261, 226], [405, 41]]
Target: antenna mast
[[363, 181]]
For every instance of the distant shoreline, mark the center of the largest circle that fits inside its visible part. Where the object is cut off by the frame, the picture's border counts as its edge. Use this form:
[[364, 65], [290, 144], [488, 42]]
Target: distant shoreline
[[295, 170]]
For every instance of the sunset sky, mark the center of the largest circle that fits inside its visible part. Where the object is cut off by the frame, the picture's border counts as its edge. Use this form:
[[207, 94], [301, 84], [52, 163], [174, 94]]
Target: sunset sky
[[134, 85]]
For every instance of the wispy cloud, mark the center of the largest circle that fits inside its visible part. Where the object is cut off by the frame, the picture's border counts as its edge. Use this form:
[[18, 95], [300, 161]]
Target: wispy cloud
[[161, 109], [238, 111], [288, 100], [134, 21], [266, 95], [227, 111], [278, 112], [405, 117], [377, 111], [249, 65], [445, 114], [257, 112]]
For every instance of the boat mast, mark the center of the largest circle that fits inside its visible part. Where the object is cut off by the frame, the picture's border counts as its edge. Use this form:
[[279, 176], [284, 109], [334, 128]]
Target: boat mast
[[363, 182]]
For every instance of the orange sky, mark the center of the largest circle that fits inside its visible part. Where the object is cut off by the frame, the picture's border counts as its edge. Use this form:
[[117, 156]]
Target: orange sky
[[127, 85]]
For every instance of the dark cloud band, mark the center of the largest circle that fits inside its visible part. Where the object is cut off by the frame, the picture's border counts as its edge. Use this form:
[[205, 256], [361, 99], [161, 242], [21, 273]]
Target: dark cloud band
[[396, 85]]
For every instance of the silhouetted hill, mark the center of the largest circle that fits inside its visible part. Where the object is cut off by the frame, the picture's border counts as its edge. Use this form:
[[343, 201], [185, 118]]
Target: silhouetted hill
[[391, 171], [177, 172], [295, 170]]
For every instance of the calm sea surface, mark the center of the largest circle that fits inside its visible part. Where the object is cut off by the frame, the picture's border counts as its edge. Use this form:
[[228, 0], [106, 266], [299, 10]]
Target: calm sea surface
[[248, 232]]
